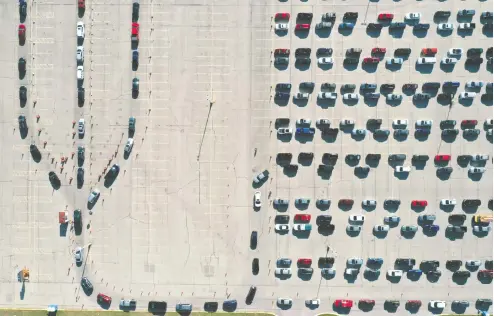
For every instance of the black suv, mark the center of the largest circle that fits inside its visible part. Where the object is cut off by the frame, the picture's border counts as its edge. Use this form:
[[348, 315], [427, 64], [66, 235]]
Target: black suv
[[373, 156], [471, 202], [305, 155], [21, 65], [374, 121], [86, 285], [250, 295], [350, 15], [158, 307], [410, 86], [302, 51], [283, 86], [135, 12], [403, 51], [321, 219], [255, 266], [352, 157], [454, 264], [23, 93], [305, 16], [420, 157], [388, 86]]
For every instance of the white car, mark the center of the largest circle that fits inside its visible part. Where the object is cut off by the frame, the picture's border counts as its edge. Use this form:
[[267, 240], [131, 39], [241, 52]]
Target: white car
[[403, 169], [80, 53], [403, 123], [426, 60], [467, 95], [423, 123], [304, 121], [93, 196], [394, 97], [80, 72], [356, 218], [479, 157], [481, 229], [80, 30], [285, 131], [313, 302], [281, 26], [327, 95], [394, 61], [283, 271], [81, 127], [466, 26], [476, 170], [474, 84], [284, 301], [455, 52], [445, 26], [355, 261], [449, 61], [128, 145], [282, 227], [325, 60], [395, 273], [369, 203], [381, 228], [257, 199], [413, 16], [473, 263], [489, 122], [323, 122], [300, 227], [448, 202], [346, 122], [437, 304], [350, 96], [301, 96], [78, 255]]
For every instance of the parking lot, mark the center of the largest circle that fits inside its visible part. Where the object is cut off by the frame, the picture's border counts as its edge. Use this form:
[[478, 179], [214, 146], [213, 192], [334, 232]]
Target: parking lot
[[176, 222]]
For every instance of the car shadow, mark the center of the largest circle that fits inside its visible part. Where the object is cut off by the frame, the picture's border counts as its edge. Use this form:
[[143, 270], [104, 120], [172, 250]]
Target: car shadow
[[304, 277], [372, 33], [421, 137], [304, 138], [472, 67], [448, 68], [487, 31], [289, 172], [380, 138], [326, 103], [323, 33], [459, 280], [350, 67], [465, 102], [325, 231], [281, 102], [369, 68], [379, 235], [394, 280], [352, 233], [420, 104], [401, 175], [419, 165], [396, 33], [301, 66], [392, 68], [424, 69], [464, 33], [484, 280], [486, 99], [419, 33], [302, 34], [285, 138], [325, 175], [407, 235]]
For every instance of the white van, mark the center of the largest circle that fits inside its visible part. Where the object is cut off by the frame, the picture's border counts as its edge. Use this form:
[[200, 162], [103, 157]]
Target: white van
[[426, 60]]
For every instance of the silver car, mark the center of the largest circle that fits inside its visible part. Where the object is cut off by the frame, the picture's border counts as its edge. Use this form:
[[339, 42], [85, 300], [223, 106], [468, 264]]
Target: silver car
[[392, 219]]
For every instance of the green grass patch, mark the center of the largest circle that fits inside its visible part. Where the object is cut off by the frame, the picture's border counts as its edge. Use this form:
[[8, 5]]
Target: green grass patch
[[21, 312]]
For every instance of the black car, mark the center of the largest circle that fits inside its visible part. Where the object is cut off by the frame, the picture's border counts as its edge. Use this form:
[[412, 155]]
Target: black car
[[410, 86], [354, 51], [464, 158], [474, 60], [324, 51], [291, 168], [422, 26], [251, 294], [22, 9], [450, 132], [307, 85], [80, 154], [374, 26], [282, 218], [430, 264], [305, 155], [305, 16], [397, 157], [461, 274], [23, 93], [78, 218], [362, 169], [282, 95], [157, 307], [22, 122], [471, 132], [80, 94], [444, 170], [431, 85], [420, 157], [388, 86], [374, 122], [255, 266], [403, 51], [350, 15], [86, 285], [325, 261], [328, 157], [471, 202], [135, 85], [454, 264], [114, 170], [284, 156], [80, 176], [330, 131], [442, 14], [488, 53], [325, 168], [135, 12], [328, 86], [281, 122], [303, 60], [447, 123], [352, 157], [472, 52], [253, 239], [302, 51], [53, 177], [397, 25], [21, 64], [421, 96], [283, 86], [434, 273], [135, 58], [350, 61], [373, 157], [445, 97], [405, 262], [392, 202], [348, 86], [323, 219], [211, 306]]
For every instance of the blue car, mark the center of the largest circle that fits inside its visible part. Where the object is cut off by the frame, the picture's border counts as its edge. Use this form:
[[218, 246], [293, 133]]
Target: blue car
[[375, 261], [346, 26], [368, 86], [229, 304], [422, 26], [451, 84], [305, 131], [431, 228], [397, 25]]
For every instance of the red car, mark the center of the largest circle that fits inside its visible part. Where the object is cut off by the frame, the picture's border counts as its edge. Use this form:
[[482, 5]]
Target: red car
[[82, 4], [302, 218], [135, 30], [414, 303], [103, 299], [302, 27], [378, 50], [442, 158], [22, 32], [282, 16], [304, 261], [385, 16], [469, 122], [419, 203], [429, 51], [345, 202], [485, 273], [282, 51], [343, 303], [371, 60]]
